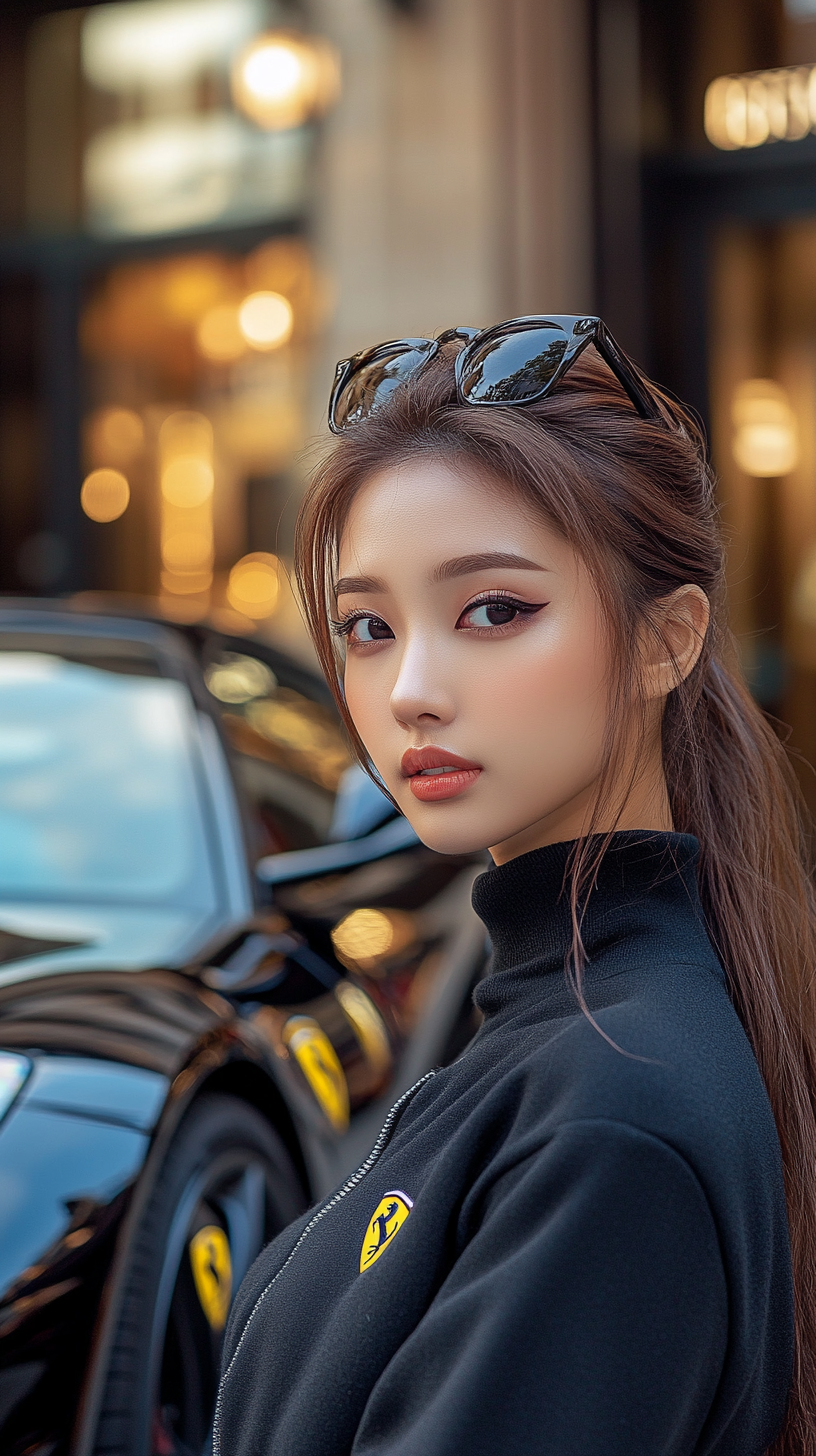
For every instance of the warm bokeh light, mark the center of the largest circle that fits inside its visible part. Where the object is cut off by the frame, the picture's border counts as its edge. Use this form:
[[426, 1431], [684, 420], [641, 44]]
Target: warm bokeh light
[[253, 585], [187, 481], [235, 678], [105, 495], [265, 320], [129, 47], [186, 584], [760, 106], [114, 436], [219, 336], [804, 591], [285, 265], [766, 439], [282, 79], [259, 431], [185, 433], [187, 550], [363, 935], [193, 285]]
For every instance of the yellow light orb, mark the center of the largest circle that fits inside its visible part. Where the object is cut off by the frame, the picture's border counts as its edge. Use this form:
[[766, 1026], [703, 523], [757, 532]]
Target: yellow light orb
[[265, 320], [185, 432], [191, 286], [105, 495], [187, 481], [283, 79], [766, 436], [114, 436], [274, 72], [187, 550], [235, 678], [253, 586], [219, 335], [363, 935], [187, 583]]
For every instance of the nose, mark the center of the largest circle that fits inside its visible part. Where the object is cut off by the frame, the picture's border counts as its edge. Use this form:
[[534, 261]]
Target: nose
[[421, 694]]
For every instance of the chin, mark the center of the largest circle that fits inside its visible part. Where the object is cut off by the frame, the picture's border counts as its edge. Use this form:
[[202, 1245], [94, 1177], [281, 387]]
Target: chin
[[439, 830]]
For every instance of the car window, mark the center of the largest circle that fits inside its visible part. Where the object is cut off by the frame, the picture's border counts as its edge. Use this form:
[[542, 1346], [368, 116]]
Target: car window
[[289, 751], [98, 793]]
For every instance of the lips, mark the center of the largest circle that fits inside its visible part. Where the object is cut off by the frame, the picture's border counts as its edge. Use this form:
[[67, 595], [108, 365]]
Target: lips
[[436, 773]]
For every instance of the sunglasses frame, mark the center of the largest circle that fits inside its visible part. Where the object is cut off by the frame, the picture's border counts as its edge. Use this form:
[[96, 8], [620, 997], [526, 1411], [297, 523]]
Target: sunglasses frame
[[581, 330]]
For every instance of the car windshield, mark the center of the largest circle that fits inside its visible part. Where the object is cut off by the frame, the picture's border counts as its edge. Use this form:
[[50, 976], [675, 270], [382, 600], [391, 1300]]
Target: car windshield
[[98, 796]]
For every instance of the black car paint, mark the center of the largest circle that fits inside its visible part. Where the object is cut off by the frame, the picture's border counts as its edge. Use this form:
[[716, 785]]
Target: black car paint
[[118, 1055]]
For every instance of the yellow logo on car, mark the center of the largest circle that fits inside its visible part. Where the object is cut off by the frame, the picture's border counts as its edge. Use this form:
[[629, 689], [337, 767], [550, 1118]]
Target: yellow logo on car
[[212, 1272], [387, 1218], [318, 1062]]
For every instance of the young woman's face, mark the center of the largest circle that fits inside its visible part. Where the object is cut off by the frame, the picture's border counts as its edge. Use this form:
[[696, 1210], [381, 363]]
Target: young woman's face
[[477, 663]]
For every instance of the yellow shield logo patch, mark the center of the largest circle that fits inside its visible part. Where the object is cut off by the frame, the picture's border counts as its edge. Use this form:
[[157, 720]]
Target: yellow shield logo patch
[[387, 1218], [212, 1272]]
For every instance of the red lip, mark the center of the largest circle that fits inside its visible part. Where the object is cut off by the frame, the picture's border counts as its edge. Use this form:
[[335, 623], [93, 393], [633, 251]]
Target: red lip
[[415, 760], [430, 788]]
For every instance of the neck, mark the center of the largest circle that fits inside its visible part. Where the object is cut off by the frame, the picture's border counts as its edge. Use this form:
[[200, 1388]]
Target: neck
[[645, 888]]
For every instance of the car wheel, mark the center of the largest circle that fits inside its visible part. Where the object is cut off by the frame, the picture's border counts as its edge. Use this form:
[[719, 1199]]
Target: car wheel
[[226, 1186]]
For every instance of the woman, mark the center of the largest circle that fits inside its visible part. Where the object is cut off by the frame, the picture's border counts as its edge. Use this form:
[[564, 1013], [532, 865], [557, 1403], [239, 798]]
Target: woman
[[594, 1233]]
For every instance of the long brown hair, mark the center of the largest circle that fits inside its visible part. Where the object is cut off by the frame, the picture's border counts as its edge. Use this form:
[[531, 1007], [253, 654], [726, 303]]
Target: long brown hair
[[636, 500]]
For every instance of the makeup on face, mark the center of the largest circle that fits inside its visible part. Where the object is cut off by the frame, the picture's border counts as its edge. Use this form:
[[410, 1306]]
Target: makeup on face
[[435, 773], [476, 666]]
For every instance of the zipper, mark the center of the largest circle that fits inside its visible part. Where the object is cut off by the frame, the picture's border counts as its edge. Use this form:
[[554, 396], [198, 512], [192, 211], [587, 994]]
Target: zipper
[[357, 1177]]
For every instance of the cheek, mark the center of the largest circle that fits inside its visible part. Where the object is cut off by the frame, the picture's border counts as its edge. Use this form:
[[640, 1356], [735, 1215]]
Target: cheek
[[368, 689], [554, 693]]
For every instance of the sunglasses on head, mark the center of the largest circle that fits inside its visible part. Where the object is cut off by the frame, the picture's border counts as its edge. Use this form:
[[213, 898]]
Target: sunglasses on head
[[517, 362]]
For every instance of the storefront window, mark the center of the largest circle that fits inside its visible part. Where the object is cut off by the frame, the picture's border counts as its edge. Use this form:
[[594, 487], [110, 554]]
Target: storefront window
[[763, 415], [165, 153], [197, 369]]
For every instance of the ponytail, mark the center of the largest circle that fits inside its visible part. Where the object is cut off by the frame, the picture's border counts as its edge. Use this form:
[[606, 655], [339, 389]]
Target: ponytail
[[736, 790]]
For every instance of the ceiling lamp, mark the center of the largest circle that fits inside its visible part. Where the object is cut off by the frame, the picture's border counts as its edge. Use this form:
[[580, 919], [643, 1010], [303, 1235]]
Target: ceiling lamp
[[283, 79], [766, 441]]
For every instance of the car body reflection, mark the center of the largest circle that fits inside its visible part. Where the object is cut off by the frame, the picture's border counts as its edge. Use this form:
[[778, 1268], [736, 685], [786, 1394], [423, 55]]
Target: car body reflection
[[223, 955]]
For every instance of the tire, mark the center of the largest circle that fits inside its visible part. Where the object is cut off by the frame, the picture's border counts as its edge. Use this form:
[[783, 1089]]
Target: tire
[[225, 1170]]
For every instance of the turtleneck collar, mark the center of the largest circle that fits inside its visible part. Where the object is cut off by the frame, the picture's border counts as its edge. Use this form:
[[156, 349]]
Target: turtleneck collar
[[645, 894]]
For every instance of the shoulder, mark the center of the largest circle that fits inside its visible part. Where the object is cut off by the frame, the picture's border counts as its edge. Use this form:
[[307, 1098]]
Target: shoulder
[[671, 1061]]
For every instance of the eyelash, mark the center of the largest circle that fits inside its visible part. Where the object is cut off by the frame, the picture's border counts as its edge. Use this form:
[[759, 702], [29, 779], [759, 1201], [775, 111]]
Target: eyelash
[[345, 625], [500, 599]]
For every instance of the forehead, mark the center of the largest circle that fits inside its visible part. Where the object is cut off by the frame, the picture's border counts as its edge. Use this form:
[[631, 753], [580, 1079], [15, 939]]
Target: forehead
[[436, 509]]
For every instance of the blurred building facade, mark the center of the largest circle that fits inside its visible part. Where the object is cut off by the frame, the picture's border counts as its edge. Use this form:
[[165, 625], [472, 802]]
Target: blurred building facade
[[205, 203], [153, 438], [725, 309]]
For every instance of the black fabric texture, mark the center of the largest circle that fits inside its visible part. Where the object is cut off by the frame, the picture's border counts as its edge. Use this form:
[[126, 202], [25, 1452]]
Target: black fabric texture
[[597, 1260]]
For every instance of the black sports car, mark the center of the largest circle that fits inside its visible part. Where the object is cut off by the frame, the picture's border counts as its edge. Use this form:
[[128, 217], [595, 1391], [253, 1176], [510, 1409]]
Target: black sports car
[[223, 956]]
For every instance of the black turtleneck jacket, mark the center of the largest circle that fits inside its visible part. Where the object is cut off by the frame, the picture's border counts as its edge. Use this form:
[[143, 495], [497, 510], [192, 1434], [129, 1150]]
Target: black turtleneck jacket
[[573, 1240]]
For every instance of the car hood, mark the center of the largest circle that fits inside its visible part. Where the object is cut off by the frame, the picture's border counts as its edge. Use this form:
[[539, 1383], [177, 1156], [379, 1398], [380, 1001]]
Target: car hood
[[43, 938]]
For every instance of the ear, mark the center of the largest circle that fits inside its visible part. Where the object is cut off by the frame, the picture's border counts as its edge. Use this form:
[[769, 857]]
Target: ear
[[675, 640]]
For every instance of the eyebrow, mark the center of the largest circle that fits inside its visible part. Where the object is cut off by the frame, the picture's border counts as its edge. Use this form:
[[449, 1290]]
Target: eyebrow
[[447, 570], [483, 561], [358, 584]]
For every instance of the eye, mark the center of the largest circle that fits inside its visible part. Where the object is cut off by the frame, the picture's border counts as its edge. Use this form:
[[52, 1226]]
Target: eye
[[497, 611], [363, 629]]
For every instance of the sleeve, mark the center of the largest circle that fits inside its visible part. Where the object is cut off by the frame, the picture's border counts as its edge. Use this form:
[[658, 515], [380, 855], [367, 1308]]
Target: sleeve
[[586, 1316]]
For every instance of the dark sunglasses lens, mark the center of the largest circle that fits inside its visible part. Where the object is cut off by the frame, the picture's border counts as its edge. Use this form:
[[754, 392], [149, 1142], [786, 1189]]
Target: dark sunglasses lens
[[510, 368], [371, 385]]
